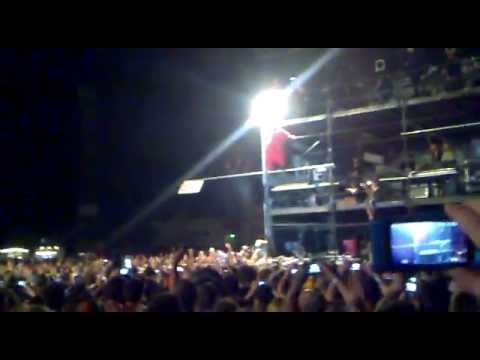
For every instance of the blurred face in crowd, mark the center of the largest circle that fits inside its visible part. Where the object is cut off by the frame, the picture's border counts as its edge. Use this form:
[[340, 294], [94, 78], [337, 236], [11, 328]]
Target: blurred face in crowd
[[344, 267], [10, 265], [27, 271], [304, 298]]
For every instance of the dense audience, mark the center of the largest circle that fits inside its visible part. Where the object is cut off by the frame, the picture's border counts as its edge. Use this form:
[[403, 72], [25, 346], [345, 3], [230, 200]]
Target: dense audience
[[235, 281]]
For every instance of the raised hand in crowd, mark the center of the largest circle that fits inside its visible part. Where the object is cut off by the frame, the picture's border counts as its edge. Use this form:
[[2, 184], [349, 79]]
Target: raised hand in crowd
[[296, 287], [468, 216], [176, 261]]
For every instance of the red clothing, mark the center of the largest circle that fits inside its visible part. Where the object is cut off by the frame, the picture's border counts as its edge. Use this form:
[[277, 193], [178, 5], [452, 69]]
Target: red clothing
[[351, 247], [276, 151]]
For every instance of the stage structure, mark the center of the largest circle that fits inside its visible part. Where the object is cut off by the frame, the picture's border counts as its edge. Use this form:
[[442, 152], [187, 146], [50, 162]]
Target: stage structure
[[327, 210], [415, 190]]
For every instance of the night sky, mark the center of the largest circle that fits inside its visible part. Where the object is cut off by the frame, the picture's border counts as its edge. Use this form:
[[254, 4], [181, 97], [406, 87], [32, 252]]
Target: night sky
[[161, 111], [112, 127]]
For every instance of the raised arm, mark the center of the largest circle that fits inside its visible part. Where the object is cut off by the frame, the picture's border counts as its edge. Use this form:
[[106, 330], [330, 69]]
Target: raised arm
[[176, 260], [296, 287], [468, 216]]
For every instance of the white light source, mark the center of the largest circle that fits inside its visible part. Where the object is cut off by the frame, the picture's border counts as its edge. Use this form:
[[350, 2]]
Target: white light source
[[269, 108], [14, 250], [46, 254], [294, 186], [190, 187]]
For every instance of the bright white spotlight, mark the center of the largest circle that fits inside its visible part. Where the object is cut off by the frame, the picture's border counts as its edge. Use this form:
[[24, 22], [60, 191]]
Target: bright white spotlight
[[190, 187], [269, 108]]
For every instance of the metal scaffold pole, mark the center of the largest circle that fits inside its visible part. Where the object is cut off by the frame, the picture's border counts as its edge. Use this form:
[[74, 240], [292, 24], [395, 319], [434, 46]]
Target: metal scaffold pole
[[267, 201], [403, 107], [405, 154], [332, 229]]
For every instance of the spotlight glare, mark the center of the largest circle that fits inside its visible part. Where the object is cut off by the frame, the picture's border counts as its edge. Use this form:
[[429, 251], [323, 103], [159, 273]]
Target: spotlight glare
[[269, 108]]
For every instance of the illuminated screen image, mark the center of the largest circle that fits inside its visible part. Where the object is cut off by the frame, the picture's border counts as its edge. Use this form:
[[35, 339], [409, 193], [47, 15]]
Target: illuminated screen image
[[428, 243]]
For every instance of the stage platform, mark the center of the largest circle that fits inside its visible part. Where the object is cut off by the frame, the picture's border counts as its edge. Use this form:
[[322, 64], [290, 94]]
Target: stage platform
[[361, 207]]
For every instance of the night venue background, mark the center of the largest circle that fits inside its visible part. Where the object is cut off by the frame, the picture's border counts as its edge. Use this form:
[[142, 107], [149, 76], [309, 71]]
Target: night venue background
[[239, 180], [110, 128]]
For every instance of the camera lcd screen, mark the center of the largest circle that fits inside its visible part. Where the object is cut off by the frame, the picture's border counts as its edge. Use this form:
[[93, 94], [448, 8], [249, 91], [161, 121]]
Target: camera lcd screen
[[428, 243], [411, 287], [355, 267], [314, 269], [127, 263]]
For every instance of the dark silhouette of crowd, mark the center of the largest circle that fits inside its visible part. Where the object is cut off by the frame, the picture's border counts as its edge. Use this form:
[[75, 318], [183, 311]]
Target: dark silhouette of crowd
[[236, 281]]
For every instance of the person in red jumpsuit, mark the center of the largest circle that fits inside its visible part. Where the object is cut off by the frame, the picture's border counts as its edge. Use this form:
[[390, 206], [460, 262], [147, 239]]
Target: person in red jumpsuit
[[276, 149]]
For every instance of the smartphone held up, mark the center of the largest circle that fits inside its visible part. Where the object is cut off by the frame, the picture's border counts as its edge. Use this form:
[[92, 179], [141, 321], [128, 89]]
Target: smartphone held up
[[420, 242], [314, 269]]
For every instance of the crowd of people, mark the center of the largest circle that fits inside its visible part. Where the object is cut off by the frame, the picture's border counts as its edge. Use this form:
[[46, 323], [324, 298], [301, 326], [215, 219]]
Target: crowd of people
[[235, 281]]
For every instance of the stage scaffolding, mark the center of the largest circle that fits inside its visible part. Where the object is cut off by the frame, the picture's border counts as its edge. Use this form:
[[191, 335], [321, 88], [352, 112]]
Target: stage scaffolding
[[332, 208]]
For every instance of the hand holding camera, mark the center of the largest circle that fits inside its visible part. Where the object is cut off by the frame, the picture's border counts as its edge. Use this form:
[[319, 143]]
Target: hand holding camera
[[468, 216], [427, 241]]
